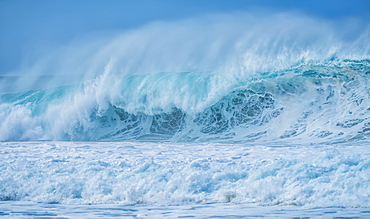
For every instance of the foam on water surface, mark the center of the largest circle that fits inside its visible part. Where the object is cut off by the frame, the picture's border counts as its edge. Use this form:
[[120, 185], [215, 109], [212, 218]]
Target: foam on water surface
[[178, 174], [219, 111], [23, 210]]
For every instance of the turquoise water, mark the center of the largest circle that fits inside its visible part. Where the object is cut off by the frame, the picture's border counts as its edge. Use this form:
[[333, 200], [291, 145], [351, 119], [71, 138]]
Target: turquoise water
[[215, 116]]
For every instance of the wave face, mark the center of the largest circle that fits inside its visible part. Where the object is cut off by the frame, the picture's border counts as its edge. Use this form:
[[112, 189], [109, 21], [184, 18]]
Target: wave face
[[217, 78]]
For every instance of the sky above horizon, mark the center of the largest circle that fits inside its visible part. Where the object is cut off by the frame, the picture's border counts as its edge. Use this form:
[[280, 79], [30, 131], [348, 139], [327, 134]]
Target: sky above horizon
[[30, 28]]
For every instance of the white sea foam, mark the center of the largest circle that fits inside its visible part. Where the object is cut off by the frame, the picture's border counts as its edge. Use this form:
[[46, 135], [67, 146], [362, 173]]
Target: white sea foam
[[178, 174], [21, 210], [296, 86]]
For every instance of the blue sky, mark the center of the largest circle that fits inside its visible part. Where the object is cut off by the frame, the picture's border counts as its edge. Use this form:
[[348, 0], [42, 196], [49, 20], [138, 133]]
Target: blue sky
[[29, 28]]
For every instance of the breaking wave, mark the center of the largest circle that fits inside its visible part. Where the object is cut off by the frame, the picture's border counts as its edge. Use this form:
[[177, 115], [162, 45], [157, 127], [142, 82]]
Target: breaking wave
[[214, 78]]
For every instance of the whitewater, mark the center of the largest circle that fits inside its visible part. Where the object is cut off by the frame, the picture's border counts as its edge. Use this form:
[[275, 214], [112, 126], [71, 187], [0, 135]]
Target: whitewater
[[234, 116]]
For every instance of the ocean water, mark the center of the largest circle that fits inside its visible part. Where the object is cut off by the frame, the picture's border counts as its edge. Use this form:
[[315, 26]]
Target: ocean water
[[174, 180], [250, 118]]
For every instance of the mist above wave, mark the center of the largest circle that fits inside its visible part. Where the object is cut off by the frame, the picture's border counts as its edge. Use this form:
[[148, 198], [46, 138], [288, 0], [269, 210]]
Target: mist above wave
[[232, 46]]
